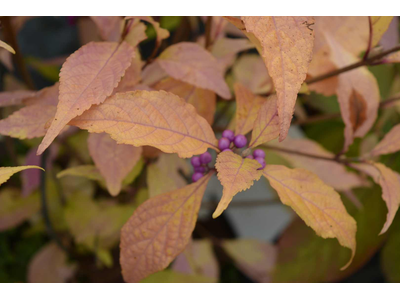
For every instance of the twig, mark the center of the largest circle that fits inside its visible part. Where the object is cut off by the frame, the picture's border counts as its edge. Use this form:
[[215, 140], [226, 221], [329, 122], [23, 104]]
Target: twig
[[208, 31], [369, 39], [318, 118], [10, 36], [45, 211], [361, 63]]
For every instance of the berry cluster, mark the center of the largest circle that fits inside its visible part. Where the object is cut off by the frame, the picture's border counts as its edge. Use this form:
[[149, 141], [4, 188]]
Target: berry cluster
[[228, 137], [259, 156], [200, 165]]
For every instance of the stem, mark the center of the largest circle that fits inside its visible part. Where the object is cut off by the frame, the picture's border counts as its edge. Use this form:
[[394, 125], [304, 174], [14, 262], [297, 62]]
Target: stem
[[11, 38], [208, 31], [361, 63], [45, 211], [369, 39]]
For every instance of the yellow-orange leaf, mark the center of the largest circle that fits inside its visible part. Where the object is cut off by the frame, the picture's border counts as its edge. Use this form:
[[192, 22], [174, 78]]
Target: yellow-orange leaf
[[7, 47], [7, 172], [332, 173], [159, 230], [379, 27], [205, 101], [358, 94], [390, 184], [236, 174], [316, 203], [161, 32], [193, 64], [87, 77], [159, 119], [114, 161], [389, 144], [287, 45], [247, 108], [266, 125]]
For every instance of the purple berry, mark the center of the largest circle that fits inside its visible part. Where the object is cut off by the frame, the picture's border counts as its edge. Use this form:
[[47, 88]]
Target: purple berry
[[261, 161], [259, 153], [196, 176], [228, 150], [195, 161], [200, 169], [250, 156], [229, 134], [205, 158], [224, 143], [240, 141]]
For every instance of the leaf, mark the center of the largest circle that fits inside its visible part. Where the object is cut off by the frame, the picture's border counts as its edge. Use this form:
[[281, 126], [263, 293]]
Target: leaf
[[390, 255], [287, 45], [87, 77], [169, 276], [95, 224], [46, 96], [389, 181], [110, 27], [193, 64], [247, 107], [226, 49], [254, 258], [316, 203], [236, 174], [14, 209], [28, 122], [239, 24], [159, 119], [50, 265], [358, 95], [159, 230], [136, 34], [14, 98], [7, 172], [266, 125], [163, 176], [7, 47], [114, 161], [250, 71], [132, 75], [204, 101], [161, 32], [389, 144], [379, 27], [305, 257], [198, 259], [332, 173], [86, 171]]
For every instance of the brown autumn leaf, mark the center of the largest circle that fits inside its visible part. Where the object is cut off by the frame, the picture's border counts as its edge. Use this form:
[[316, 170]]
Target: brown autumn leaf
[[193, 64], [287, 45], [161, 32], [198, 259], [87, 77], [159, 119], [110, 27], [316, 203], [389, 181], [250, 71], [164, 175], [50, 265], [136, 34], [352, 33], [266, 125], [113, 160], [389, 144], [205, 101], [236, 174], [159, 230], [247, 108], [358, 94], [332, 173], [254, 258]]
